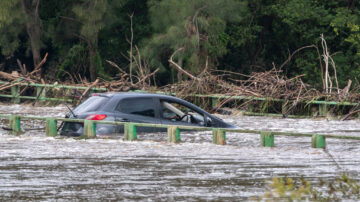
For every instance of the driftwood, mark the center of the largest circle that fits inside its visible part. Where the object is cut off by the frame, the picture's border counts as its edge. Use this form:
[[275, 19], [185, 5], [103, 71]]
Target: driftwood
[[347, 116], [87, 90]]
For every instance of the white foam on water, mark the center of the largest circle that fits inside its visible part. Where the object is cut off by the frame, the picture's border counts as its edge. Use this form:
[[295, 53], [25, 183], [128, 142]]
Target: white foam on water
[[36, 167]]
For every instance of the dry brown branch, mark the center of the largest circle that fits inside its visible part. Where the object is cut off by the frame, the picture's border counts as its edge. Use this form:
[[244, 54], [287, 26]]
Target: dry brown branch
[[6, 86], [179, 68], [23, 70], [147, 76], [292, 55], [131, 46], [87, 90], [347, 116], [115, 65], [327, 57], [38, 67], [141, 70]]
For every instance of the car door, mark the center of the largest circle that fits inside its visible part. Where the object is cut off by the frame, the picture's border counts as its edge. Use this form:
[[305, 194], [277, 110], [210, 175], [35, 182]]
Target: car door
[[138, 110], [176, 113]]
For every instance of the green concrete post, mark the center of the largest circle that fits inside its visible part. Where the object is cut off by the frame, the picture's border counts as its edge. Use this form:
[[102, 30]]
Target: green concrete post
[[219, 136], [15, 93], [284, 108], [323, 109], [173, 133], [318, 141], [15, 124], [89, 128], [40, 93], [51, 127], [214, 102], [267, 139], [130, 131], [251, 107]]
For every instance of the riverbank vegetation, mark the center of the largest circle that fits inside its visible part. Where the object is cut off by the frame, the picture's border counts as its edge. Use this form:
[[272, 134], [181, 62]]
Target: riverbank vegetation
[[296, 50], [290, 189]]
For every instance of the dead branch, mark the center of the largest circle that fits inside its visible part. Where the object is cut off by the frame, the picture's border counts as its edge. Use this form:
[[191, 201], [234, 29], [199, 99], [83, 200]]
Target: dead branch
[[131, 46], [179, 68], [87, 90], [147, 76], [292, 55], [347, 116], [326, 58], [38, 67], [23, 70], [115, 65]]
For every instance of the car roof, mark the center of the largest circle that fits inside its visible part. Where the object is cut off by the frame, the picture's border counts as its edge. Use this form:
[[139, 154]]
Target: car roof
[[133, 94]]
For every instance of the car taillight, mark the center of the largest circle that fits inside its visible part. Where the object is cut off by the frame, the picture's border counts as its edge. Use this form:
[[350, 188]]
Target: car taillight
[[97, 117]]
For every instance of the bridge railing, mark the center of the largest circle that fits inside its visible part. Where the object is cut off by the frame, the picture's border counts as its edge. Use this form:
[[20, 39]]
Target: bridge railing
[[173, 131], [323, 107], [41, 91]]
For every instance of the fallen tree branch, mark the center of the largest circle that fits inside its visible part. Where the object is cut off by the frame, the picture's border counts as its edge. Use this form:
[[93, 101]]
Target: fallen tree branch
[[290, 56], [350, 114], [147, 76], [179, 68], [38, 67], [87, 90]]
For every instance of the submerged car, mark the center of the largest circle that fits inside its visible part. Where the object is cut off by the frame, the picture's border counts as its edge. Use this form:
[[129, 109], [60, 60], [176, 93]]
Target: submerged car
[[138, 108]]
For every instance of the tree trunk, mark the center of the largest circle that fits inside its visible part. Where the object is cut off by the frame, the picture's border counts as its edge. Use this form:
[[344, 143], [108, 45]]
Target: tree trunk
[[33, 27], [93, 58]]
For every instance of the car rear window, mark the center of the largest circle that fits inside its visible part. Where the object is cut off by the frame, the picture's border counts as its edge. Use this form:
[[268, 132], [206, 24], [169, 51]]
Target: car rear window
[[138, 106], [93, 103]]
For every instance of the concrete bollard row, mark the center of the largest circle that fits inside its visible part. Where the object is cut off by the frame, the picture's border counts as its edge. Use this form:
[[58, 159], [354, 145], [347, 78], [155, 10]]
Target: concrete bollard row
[[173, 133]]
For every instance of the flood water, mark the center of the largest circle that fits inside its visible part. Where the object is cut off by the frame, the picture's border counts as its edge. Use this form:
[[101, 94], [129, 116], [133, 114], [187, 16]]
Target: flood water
[[36, 167]]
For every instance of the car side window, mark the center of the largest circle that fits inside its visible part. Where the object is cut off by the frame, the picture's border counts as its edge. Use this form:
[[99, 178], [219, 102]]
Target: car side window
[[137, 106], [173, 111]]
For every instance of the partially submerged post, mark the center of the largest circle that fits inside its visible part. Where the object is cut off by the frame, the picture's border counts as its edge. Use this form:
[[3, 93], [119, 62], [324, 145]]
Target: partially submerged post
[[51, 127], [130, 131], [323, 109], [15, 93], [173, 133], [89, 128], [267, 139], [219, 136], [318, 141], [214, 102], [15, 123], [40, 93]]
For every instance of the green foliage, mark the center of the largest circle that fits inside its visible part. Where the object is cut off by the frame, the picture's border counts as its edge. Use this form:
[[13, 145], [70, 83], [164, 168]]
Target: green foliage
[[11, 26], [75, 62], [90, 14], [197, 26], [7, 9], [289, 189], [237, 35]]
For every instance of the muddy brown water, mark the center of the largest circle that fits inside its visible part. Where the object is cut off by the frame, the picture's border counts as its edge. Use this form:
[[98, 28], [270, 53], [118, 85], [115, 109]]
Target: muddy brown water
[[36, 167]]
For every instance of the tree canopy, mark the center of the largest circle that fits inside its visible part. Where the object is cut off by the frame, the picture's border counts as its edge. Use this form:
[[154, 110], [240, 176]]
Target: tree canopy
[[241, 36]]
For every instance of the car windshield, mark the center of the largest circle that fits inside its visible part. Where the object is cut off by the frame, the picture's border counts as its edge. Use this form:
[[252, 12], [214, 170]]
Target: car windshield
[[92, 104]]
